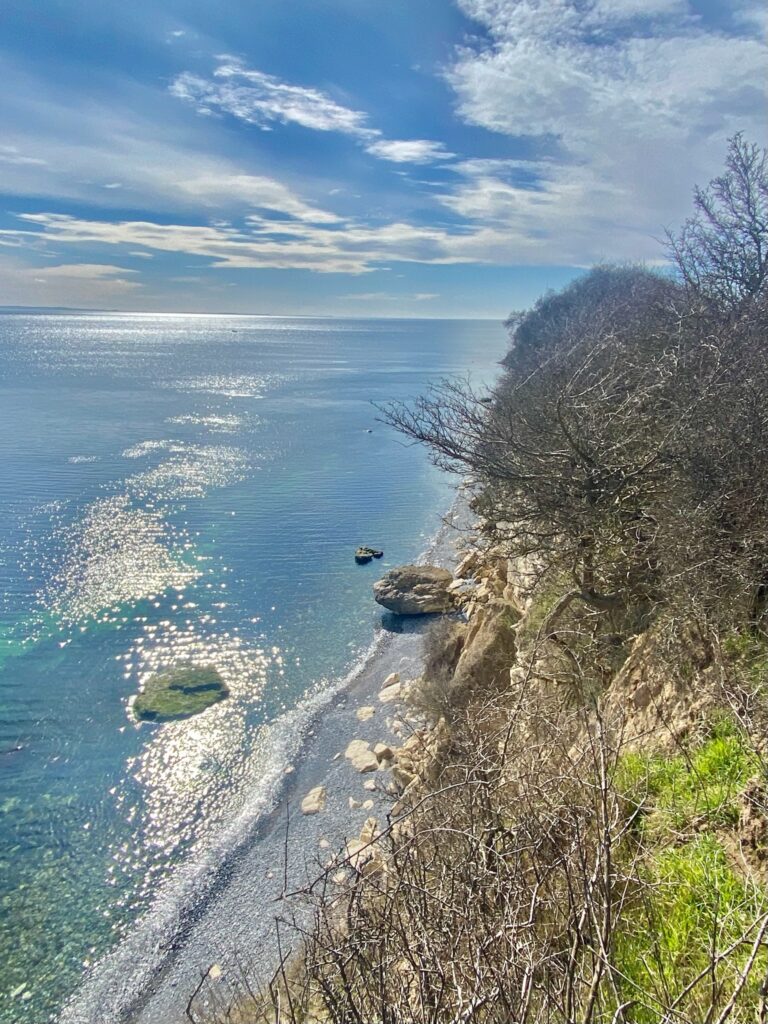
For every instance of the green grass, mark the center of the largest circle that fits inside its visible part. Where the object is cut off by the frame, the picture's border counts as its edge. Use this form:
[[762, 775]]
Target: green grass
[[748, 652], [179, 694], [694, 789], [690, 900]]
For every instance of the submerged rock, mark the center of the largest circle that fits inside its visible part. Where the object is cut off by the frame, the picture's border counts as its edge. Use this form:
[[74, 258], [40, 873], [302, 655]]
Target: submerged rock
[[364, 555], [179, 693], [415, 590]]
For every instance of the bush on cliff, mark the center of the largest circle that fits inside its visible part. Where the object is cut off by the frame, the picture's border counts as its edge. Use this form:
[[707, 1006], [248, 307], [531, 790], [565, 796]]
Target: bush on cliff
[[624, 445]]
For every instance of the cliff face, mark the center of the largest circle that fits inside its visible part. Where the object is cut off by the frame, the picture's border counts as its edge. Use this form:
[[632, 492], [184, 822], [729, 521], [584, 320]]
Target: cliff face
[[555, 853], [578, 832]]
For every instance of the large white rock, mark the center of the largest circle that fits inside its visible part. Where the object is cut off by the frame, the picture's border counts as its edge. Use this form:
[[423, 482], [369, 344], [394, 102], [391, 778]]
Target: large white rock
[[314, 801], [415, 590], [391, 692], [361, 757]]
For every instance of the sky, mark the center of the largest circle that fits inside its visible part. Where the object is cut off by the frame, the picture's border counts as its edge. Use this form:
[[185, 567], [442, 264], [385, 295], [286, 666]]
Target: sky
[[447, 158]]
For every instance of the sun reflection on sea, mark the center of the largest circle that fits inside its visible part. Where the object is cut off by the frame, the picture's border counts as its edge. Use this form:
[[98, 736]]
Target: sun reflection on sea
[[187, 767]]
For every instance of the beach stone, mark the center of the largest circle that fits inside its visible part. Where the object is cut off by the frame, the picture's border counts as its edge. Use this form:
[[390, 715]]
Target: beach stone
[[324, 844], [370, 785], [391, 692], [414, 590], [365, 713], [361, 757], [383, 752], [367, 805], [392, 678], [354, 804], [314, 801], [369, 831]]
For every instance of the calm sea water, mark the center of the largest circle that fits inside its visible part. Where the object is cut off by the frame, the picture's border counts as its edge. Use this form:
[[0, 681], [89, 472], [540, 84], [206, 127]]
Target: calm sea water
[[180, 489]]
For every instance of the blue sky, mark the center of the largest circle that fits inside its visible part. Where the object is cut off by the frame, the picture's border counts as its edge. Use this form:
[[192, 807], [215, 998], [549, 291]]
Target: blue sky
[[356, 157]]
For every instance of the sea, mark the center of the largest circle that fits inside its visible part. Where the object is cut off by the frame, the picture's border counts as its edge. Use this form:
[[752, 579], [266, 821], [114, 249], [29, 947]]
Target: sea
[[183, 490]]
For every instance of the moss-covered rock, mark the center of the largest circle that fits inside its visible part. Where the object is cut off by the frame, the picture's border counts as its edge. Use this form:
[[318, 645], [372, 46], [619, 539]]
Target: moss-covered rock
[[180, 693]]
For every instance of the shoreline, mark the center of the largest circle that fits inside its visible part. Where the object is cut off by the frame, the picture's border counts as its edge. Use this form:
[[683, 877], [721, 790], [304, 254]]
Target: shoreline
[[225, 916]]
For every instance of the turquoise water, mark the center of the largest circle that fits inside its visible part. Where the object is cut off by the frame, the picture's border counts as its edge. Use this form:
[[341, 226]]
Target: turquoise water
[[180, 489]]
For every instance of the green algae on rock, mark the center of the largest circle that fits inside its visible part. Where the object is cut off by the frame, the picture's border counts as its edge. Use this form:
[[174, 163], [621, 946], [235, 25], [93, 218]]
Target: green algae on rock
[[179, 693]]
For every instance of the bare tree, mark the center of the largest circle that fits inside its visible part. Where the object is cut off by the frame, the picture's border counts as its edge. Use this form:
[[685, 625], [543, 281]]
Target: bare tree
[[722, 251]]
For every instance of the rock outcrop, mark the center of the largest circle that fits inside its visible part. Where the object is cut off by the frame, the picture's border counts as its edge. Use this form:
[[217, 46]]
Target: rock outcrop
[[415, 590]]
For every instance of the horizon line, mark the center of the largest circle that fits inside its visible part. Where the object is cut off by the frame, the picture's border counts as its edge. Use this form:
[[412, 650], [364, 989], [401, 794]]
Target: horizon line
[[10, 308]]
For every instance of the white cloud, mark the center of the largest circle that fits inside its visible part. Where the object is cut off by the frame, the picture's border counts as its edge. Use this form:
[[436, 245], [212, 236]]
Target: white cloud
[[639, 98], [389, 297], [87, 271], [349, 248], [216, 188], [74, 284], [11, 155], [262, 99], [409, 151]]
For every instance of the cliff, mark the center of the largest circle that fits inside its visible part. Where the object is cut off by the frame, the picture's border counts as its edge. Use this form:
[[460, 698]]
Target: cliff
[[550, 854]]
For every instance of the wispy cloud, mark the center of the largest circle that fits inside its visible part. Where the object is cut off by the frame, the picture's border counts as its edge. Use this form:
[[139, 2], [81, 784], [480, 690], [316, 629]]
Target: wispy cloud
[[632, 101], [263, 100], [389, 297], [87, 271], [350, 248], [11, 155], [74, 284]]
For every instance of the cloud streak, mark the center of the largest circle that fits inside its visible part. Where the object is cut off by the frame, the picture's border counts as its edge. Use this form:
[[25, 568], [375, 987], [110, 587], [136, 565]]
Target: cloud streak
[[263, 100]]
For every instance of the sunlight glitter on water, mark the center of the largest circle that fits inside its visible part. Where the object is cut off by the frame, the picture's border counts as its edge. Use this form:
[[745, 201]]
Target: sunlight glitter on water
[[190, 472], [113, 555], [187, 767], [220, 423], [232, 385]]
